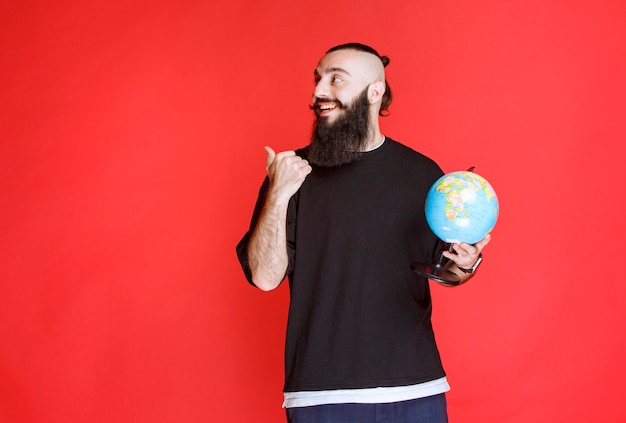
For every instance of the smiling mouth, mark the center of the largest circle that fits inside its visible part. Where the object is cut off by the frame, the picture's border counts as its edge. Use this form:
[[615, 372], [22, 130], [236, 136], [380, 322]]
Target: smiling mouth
[[327, 106], [322, 106]]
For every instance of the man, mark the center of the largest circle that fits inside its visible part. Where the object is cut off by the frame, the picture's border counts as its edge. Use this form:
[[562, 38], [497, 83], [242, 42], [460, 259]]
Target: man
[[343, 219]]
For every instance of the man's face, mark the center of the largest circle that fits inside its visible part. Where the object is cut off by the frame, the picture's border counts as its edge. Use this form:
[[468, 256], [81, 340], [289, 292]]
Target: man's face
[[342, 107], [340, 78]]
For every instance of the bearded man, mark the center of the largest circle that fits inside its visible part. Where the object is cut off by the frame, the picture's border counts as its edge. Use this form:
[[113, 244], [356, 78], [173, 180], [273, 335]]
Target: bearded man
[[343, 219]]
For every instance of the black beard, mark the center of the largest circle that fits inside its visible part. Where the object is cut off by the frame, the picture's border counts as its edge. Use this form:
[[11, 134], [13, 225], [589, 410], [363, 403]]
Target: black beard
[[342, 141]]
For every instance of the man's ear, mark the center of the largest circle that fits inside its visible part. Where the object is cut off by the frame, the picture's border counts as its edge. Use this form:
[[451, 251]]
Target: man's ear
[[375, 91]]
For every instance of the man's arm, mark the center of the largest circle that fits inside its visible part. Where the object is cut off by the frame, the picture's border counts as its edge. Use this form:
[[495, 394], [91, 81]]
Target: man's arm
[[267, 247]]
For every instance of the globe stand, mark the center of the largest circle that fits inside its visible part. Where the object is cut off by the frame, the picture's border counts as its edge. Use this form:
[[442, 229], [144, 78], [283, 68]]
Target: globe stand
[[437, 271]]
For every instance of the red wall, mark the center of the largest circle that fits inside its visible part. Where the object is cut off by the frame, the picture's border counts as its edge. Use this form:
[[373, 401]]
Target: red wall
[[132, 137]]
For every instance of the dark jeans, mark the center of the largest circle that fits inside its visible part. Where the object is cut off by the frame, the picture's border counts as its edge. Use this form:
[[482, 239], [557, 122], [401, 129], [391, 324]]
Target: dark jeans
[[422, 410]]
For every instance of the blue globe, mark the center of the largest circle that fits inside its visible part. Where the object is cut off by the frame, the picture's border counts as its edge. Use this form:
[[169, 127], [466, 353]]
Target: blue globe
[[461, 207]]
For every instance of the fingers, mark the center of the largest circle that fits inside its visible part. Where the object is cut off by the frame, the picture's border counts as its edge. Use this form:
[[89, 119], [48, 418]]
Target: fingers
[[461, 257], [475, 249], [465, 255], [286, 171]]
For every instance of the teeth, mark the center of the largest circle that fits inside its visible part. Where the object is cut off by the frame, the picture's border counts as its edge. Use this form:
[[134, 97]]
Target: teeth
[[327, 106]]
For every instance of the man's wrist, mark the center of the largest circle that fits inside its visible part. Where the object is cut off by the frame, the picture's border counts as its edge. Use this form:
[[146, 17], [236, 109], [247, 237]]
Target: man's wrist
[[472, 269]]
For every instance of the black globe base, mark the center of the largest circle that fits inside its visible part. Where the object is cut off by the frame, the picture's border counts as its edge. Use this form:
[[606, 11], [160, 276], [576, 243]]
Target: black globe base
[[437, 273]]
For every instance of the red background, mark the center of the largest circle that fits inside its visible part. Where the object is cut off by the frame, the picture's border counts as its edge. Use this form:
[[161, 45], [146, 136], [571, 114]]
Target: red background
[[132, 137]]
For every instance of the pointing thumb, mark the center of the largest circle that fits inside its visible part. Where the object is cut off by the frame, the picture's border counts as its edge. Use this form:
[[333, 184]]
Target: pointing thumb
[[271, 155]]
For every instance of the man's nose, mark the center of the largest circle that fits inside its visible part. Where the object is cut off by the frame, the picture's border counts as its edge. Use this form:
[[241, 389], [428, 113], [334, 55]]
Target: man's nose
[[321, 90]]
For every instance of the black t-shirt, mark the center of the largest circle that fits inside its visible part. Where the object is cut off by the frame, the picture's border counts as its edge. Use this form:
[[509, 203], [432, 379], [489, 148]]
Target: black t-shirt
[[359, 317]]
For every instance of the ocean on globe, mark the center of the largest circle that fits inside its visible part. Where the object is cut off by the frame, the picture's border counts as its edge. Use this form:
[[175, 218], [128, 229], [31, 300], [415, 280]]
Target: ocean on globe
[[461, 207]]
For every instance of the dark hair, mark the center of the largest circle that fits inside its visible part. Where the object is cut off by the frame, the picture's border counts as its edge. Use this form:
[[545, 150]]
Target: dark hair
[[388, 96]]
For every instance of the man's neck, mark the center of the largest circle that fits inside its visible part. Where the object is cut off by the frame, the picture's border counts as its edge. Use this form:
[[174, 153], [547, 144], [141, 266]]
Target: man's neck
[[375, 142]]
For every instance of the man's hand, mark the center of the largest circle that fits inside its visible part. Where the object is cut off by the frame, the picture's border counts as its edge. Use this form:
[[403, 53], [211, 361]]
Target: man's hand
[[286, 172], [467, 254], [464, 256]]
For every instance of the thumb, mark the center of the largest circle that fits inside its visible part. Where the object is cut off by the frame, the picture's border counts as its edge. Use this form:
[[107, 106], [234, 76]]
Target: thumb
[[271, 155]]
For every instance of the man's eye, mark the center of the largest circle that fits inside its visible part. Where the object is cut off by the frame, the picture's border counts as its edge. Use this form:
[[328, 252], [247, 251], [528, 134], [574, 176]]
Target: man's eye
[[336, 79]]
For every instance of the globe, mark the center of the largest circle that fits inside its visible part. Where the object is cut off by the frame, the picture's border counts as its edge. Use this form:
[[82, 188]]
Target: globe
[[461, 207]]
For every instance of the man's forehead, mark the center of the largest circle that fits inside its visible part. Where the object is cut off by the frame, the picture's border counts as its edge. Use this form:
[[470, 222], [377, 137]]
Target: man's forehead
[[351, 62]]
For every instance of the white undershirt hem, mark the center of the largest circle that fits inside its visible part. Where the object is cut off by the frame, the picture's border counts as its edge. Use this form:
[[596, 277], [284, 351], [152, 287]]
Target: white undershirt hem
[[366, 396]]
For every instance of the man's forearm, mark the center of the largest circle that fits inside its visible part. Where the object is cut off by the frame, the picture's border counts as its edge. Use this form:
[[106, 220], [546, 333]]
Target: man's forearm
[[267, 248]]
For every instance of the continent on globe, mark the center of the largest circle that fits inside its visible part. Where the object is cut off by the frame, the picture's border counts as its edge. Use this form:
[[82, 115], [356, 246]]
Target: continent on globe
[[461, 207]]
